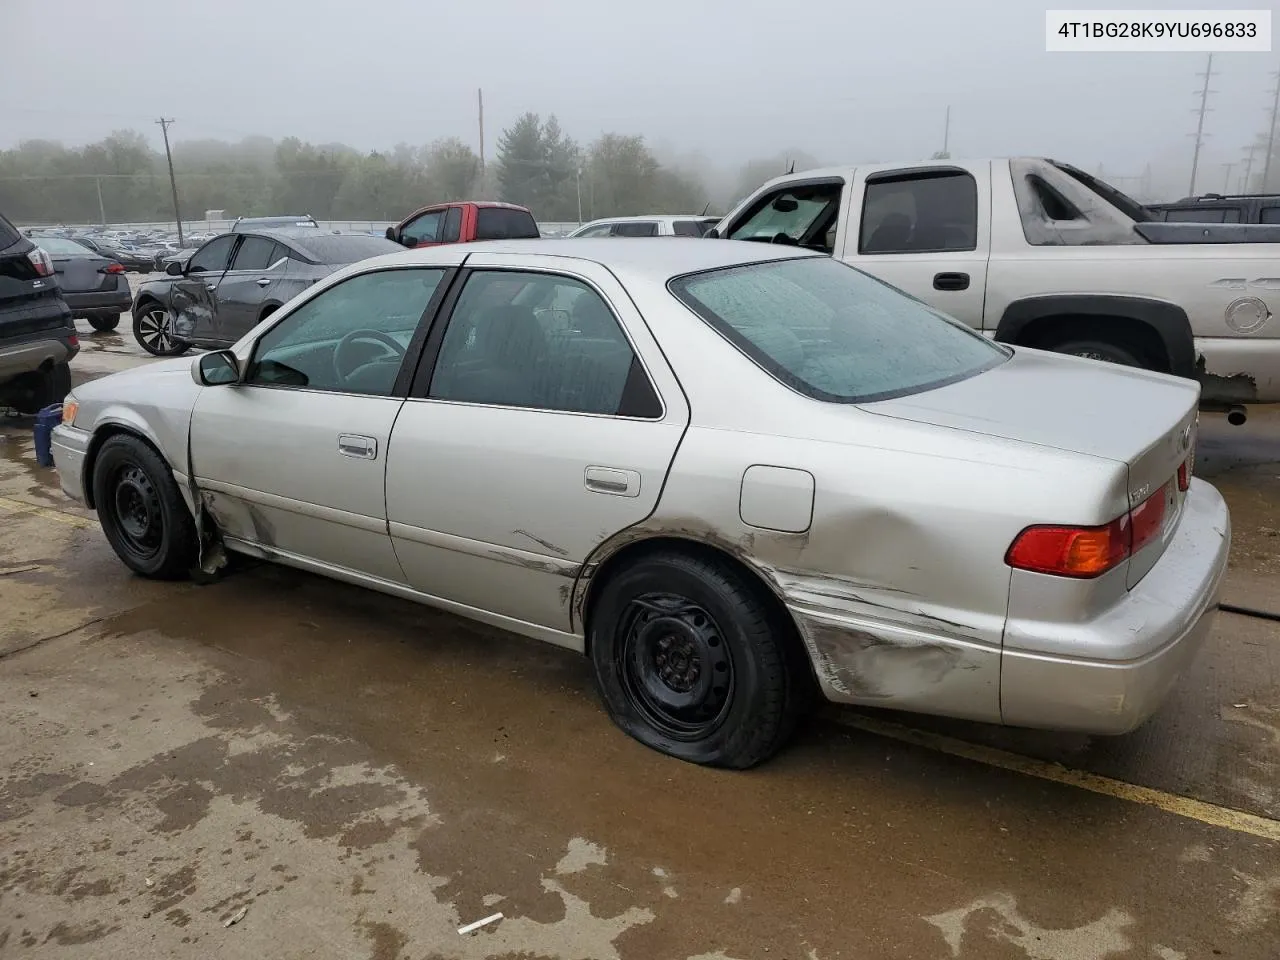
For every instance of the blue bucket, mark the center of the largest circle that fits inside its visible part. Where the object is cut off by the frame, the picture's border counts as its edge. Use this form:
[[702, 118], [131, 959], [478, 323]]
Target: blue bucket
[[46, 420]]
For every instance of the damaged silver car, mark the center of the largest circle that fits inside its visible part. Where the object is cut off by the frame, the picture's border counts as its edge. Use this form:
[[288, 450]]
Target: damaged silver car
[[734, 475]]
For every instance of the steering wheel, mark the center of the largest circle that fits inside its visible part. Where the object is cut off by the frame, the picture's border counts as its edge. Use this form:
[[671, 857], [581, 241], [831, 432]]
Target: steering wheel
[[785, 240], [340, 358]]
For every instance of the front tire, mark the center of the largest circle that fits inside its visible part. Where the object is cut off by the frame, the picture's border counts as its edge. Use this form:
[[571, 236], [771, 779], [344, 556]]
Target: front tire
[[141, 510], [153, 329], [104, 322], [692, 661]]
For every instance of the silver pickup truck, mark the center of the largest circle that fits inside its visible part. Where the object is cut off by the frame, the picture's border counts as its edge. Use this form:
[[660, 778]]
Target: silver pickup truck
[[1038, 253]]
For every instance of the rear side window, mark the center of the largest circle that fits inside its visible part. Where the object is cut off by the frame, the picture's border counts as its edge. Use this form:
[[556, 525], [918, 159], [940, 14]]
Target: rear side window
[[254, 254], [502, 223], [634, 229], [929, 213], [834, 333], [1269, 215], [9, 234], [452, 228]]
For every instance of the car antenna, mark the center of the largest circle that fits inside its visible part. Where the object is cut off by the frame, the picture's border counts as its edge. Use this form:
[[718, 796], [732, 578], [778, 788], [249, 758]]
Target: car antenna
[[705, 209], [791, 169]]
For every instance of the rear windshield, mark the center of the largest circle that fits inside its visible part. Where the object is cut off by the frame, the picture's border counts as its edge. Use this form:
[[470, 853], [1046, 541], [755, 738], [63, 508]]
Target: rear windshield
[[58, 247], [500, 223], [834, 333], [345, 248], [9, 234]]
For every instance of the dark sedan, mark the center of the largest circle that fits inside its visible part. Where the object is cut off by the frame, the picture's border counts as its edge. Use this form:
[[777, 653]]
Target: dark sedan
[[235, 280], [94, 286], [134, 261]]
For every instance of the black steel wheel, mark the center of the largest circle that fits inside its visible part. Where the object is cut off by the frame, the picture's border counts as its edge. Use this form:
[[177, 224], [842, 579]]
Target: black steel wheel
[[141, 509], [153, 329], [1099, 350], [693, 659]]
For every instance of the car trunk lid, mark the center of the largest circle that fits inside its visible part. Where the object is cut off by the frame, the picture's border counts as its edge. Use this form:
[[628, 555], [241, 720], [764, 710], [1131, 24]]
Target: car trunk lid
[[1145, 421], [82, 274]]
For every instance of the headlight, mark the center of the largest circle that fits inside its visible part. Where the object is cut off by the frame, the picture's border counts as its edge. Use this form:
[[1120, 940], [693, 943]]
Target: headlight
[[70, 407]]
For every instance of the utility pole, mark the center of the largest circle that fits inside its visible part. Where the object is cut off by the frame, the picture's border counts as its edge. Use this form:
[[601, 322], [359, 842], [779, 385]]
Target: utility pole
[[1249, 151], [1199, 134], [1271, 135], [578, 182], [946, 131], [480, 102], [173, 181], [102, 211], [1226, 180]]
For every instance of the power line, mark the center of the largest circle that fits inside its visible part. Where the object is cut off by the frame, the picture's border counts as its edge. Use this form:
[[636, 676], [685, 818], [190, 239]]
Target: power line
[[1199, 134], [173, 181]]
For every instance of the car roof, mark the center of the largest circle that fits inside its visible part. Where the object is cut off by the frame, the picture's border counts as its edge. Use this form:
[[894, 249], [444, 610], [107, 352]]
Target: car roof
[[640, 259]]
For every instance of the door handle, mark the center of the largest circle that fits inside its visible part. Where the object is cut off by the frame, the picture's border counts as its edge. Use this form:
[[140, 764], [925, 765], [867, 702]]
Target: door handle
[[263, 281], [211, 286], [613, 482], [354, 445], [951, 281]]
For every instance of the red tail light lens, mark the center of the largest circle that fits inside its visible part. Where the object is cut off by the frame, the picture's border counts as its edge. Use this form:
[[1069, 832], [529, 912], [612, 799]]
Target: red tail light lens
[[111, 268], [41, 261], [1086, 552], [1184, 475]]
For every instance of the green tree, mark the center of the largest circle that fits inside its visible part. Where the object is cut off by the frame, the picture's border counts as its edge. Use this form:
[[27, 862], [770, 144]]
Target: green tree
[[522, 163], [452, 169]]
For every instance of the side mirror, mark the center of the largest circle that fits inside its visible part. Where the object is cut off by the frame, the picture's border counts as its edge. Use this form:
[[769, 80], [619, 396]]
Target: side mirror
[[712, 234], [391, 235], [174, 269], [409, 242], [215, 369]]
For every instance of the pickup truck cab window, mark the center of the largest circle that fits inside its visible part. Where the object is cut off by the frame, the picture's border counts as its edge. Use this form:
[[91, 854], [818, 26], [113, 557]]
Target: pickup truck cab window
[[919, 213], [800, 214], [635, 228], [424, 229]]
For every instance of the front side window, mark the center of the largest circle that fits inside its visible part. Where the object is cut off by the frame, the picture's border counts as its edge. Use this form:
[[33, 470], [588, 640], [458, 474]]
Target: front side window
[[834, 333], [352, 338], [569, 355], [636, 229], [425, 228], [599, 230], [213, 256], [930, 213], [802, 214]]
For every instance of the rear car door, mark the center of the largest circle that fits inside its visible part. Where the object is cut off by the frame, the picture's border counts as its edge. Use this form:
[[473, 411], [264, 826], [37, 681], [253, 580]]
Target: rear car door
[[248, 283], [926, 231], [522, 448], [191, 298], [292, 458]]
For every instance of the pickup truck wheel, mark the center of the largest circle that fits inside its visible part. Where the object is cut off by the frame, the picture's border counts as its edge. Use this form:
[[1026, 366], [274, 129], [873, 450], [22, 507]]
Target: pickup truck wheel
[[142, 511], [104, 322], [1099, 350], [153, 329], [692, 662]]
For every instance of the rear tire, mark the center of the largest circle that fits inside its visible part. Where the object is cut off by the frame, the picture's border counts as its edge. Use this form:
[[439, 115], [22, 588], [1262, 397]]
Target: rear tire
[[46, 388], [694, 663], [141, 510], [1099, 350], [104, 322], [153, 329]]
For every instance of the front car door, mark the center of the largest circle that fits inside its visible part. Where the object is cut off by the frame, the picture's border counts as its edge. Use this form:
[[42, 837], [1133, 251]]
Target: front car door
[[257, 268], [926, 231], [191, 298], [291, 459], [527, 442]]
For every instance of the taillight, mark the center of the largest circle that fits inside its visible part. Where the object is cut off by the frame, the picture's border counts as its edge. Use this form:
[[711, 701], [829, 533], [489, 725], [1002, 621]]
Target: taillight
[[41, 261], [1184, 475], [111, 268], [1086, 552]]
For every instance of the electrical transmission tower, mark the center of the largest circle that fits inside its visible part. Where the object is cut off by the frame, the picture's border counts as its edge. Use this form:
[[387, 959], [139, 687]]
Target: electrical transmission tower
[[1199, 134]]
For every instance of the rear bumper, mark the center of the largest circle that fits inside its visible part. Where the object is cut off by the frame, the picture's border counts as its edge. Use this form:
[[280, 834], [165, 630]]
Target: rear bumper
[[1157, 629], [70, 447], [35, 354], [119, 300]]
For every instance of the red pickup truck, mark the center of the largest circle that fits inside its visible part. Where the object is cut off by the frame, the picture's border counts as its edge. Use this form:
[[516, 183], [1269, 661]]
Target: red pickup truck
[[464, 222]]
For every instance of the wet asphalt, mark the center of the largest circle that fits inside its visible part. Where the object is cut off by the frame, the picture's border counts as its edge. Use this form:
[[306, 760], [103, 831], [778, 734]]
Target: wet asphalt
[[355, 776]]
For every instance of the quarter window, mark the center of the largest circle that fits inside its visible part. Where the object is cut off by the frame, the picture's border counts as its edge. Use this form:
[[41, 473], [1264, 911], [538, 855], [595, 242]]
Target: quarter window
[[352, 338], [930, 213], [543, 341]]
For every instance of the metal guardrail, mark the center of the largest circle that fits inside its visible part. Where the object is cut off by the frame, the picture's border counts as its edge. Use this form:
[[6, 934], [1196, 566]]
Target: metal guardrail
[[222, 226]]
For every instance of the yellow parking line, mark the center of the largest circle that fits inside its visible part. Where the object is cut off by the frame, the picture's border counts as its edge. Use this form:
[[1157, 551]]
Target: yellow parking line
[[1209, 813], [21, 506]]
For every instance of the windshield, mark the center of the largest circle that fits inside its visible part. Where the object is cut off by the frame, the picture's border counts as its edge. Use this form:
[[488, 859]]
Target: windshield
[[834, 333], [346, 248], [58, 247]]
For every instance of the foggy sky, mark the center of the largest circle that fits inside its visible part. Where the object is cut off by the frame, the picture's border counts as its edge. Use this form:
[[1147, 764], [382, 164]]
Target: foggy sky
[[729, 79]]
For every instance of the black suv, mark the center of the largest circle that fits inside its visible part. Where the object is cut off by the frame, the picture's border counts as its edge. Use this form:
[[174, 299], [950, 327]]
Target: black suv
[[37, 334], [1220, 208]]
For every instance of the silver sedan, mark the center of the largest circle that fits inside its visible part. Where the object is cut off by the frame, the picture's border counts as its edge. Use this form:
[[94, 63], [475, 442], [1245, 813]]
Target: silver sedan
[[734, 475]]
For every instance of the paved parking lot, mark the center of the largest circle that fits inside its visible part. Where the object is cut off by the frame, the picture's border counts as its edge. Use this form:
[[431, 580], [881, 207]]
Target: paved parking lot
[[360, 776]]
